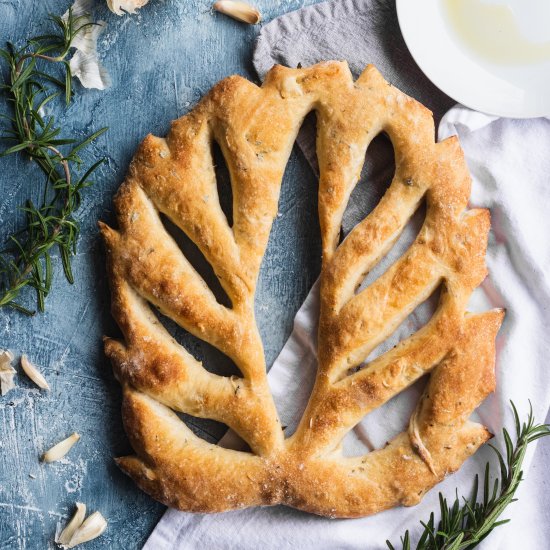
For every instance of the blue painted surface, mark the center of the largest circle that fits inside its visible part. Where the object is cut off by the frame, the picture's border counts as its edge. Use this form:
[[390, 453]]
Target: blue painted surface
[[161, 62]]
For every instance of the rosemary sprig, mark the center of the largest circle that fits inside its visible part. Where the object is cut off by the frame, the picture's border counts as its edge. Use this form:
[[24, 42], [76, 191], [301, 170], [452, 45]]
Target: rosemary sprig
[[464, 527], [26, 260]]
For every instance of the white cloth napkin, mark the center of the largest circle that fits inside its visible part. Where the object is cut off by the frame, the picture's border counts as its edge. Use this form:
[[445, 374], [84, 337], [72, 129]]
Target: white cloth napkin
[[510, 165]]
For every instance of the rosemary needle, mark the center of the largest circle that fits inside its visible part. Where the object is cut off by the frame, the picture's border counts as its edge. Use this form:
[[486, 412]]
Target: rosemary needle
[[26, 260], [462, 527]]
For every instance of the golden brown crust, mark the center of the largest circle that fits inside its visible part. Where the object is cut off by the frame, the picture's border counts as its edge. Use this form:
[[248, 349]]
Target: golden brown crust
[[256, 128]]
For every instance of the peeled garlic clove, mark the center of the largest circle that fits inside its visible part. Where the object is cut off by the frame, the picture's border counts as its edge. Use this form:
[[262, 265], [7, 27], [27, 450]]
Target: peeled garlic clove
[[7, 372], [71, 528], [241, 11], [92, 527], [33, 373], [61, 449]]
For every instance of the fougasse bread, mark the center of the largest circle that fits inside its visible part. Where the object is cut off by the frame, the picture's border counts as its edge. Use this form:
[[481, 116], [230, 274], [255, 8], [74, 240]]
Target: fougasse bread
[[255, 128]]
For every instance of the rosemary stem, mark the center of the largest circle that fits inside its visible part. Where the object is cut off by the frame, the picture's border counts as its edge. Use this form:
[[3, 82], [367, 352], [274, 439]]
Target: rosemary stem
[[27, 260], [19, 67], [64, 163]]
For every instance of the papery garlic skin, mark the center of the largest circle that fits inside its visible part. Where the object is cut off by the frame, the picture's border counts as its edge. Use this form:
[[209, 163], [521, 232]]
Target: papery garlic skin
[[93, 526], [33, 373], [120, 7], [7, 372], [85, 64], [86, 40], [6, 357], [90, 72], [61, 449], [80, 8], [76, 521]]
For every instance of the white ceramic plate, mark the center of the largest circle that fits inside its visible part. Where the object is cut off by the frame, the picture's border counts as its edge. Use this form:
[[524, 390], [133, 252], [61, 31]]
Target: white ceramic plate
[[519, 90]]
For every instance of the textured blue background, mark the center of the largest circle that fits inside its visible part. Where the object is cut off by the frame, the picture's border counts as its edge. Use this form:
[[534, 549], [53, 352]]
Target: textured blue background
[[161, 62]]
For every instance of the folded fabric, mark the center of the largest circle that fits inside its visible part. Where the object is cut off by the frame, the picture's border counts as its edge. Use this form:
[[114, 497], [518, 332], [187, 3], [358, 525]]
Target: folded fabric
[[509, 164]]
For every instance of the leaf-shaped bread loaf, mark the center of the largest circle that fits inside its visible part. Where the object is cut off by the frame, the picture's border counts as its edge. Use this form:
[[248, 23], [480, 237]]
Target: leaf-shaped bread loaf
[[255, 128]]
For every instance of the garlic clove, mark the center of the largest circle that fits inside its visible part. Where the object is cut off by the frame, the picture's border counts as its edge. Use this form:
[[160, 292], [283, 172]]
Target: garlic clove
[[7, 372], [61, 449], [92, 527], [33, 373], [76, 521], [241, 11]]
